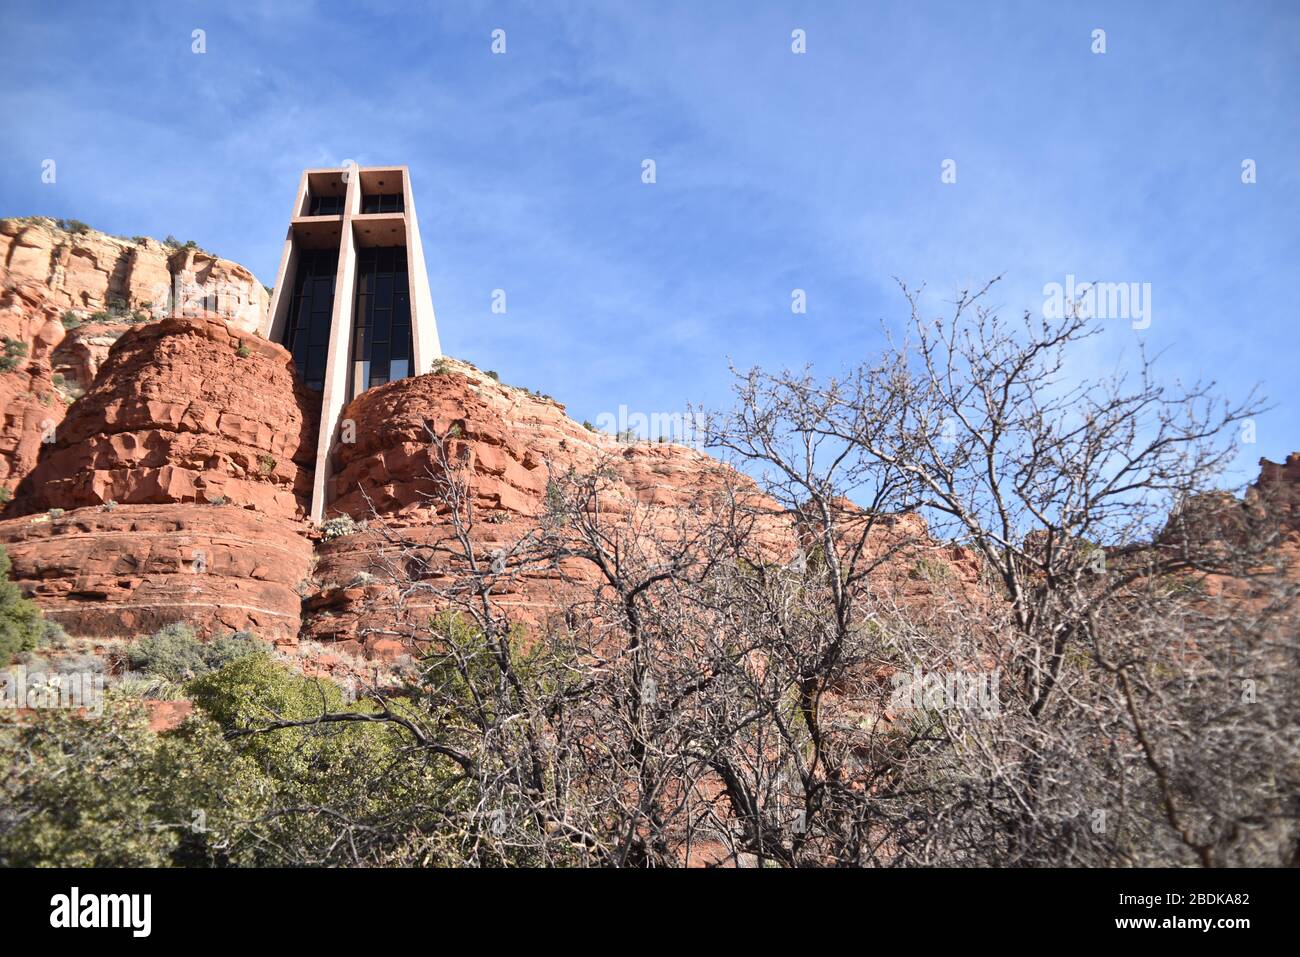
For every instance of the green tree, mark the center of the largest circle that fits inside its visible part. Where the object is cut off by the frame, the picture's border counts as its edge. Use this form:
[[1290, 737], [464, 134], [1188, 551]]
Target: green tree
[[21, 624], [109, 792]]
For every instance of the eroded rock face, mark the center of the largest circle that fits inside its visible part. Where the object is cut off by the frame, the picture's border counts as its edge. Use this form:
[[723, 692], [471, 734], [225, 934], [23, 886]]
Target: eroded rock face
[[83, 350], [90, 271], [509, 441], [1278, 491], [506, 445], [183, 411], [30, 404], [47, 273], [127, 571]]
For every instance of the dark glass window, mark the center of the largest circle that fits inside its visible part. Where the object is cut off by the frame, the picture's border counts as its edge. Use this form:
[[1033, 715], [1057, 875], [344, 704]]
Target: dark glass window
[[325, 206], [383, 329], [382, 203], [308, 335]]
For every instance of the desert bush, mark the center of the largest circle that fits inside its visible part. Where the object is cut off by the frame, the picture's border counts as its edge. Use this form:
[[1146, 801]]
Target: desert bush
[[14, 354], [176, 653], [22, 626], [337, 527], [109, 792]]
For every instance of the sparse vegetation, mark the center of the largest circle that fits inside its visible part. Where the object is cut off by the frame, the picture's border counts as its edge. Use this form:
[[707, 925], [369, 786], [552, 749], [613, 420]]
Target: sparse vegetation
[[930, 570], [177, 654], [337, 527], [701, 686], [14, 354], [22, 627]]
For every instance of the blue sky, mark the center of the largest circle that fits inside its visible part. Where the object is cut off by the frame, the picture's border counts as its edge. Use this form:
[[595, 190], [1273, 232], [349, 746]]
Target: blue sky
[[775, 171]]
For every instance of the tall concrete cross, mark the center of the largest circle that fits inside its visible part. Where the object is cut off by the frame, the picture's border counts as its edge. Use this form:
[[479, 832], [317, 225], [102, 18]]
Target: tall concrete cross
[[351, 299]]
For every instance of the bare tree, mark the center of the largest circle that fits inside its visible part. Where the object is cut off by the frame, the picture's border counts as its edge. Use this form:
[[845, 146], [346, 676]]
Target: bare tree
[[1042, 636]]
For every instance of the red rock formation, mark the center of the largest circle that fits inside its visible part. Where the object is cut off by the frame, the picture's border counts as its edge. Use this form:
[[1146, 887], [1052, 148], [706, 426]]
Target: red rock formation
[[30, 405], [1278, 492], [127, 571], [83, 350], [184, 411], [508, 445], [85, 270], [47, 272], [505, 437]]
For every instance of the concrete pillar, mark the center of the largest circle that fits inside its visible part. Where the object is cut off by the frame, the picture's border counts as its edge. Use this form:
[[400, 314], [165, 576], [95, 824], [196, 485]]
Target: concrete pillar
[[354, 230]]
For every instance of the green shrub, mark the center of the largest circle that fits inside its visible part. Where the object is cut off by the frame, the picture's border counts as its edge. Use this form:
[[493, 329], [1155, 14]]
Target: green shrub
[[75, 226], [6, 496], [243, 351], [110, 792], [253, 688], [266, 464], [930, 570], [55, 513], [337, 527], [224, 649], [21, 626], [491, 374], [14, 353], [71, 320], [148, 688], [225, 789], [176, 653]]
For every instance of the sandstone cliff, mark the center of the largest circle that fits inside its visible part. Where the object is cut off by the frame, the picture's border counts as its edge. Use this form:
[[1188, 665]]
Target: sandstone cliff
[[183, 411], [78, 268], [67, 293], [176, 488], [161, 470]]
